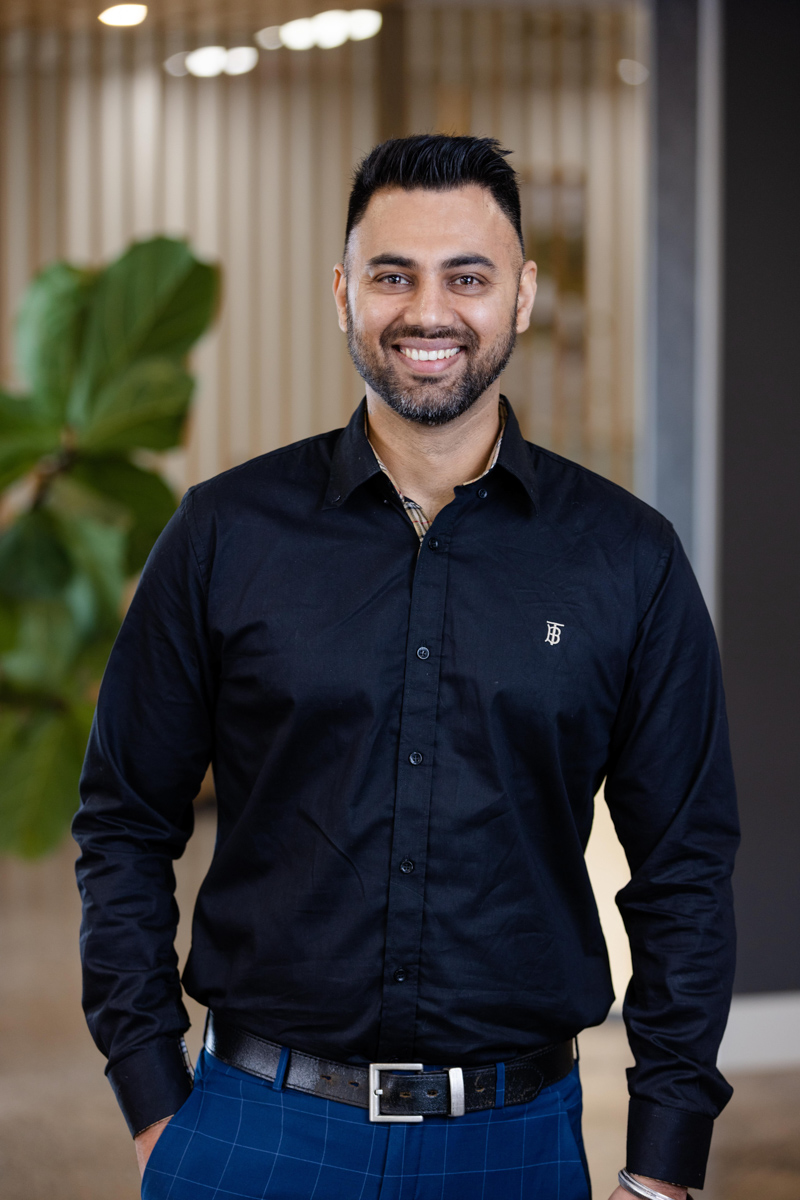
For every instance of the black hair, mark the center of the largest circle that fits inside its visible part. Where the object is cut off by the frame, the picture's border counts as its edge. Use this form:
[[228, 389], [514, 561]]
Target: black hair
[[437, 162]]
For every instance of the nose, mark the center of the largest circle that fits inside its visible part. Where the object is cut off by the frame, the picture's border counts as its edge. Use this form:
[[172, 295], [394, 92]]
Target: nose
[[429, 305]]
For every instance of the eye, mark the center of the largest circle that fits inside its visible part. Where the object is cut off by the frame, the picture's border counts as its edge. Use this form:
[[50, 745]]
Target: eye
[[392, 279], [467, 281]]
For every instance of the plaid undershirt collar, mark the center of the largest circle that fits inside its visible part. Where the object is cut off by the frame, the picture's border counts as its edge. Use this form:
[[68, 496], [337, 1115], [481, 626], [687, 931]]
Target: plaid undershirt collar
[[413, 510]]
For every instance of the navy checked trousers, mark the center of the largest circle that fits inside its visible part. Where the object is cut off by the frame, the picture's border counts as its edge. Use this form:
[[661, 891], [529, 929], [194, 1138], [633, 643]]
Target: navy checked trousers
[[237, 1137]]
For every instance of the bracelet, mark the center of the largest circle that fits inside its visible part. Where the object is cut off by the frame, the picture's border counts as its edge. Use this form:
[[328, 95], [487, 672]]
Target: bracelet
[[641, 1190]]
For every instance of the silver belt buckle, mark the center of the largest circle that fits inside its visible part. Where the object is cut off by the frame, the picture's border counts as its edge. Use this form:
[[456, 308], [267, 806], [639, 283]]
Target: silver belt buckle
[[376, 1091]]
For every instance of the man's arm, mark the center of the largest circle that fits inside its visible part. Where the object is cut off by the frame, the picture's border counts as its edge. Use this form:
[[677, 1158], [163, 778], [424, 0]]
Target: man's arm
[[148, 752], [671, 794]]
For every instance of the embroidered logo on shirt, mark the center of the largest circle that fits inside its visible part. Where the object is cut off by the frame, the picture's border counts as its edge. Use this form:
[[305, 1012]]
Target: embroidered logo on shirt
[[554, 632]]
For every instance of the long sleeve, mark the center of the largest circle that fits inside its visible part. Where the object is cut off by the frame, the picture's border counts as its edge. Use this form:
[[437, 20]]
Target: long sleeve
[[149, 749], [671, 794]]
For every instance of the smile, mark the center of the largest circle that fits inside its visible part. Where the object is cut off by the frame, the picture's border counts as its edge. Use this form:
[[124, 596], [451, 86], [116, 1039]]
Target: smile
[[429, 355]]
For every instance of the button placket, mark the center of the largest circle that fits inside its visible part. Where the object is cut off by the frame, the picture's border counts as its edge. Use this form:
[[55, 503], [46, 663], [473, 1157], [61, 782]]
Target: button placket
[[413, 798]]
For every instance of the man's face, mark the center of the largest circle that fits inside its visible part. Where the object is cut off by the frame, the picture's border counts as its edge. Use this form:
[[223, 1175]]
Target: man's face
[[432, 296]]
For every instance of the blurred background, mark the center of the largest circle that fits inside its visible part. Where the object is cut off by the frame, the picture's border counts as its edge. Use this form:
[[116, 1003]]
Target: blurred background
[[660, 169]]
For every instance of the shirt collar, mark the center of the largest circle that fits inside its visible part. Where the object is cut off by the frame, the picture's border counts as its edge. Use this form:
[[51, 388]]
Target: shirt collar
[[354, 461], [516, 458]]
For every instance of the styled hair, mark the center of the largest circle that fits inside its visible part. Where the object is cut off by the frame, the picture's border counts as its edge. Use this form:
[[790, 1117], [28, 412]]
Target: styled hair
[[439, 163]]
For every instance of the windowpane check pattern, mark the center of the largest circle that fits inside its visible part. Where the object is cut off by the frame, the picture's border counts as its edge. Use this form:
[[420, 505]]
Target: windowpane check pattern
[[236, 1137]]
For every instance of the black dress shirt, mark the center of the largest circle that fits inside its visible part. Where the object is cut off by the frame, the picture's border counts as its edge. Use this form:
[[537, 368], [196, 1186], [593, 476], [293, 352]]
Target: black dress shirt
[[406, 740]]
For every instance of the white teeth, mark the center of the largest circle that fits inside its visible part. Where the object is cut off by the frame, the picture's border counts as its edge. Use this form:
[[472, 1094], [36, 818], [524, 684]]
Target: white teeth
[[429, 355]]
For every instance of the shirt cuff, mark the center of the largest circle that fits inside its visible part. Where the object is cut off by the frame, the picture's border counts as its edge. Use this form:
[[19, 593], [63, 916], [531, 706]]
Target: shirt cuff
[[151, 1084], [668, 1143]]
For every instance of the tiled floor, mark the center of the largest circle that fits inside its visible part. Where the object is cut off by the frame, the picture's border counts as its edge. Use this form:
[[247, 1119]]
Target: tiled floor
[[62, 1138]]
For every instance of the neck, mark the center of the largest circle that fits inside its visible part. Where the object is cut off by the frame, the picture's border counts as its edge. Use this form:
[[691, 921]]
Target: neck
[[428, 461]]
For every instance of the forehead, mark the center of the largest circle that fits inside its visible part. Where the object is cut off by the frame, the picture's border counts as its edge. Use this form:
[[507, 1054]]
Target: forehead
[[421, 223]]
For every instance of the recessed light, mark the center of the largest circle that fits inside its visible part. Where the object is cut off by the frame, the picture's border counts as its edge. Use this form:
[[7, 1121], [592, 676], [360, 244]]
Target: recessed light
[[632, 72], [269, 38], [176, 64], [331, 28], [207, 62], [124, 14], [299, 34], [364, 23], [240, 60], [326, 30]]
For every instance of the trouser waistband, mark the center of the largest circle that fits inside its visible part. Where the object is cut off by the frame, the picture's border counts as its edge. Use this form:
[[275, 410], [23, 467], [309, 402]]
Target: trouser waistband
[[381, 1087]]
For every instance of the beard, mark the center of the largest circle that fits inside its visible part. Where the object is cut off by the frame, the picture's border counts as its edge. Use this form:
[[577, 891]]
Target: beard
[[430, 400]]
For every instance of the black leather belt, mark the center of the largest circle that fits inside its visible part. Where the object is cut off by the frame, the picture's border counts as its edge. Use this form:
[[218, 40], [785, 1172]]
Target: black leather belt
[[388, 1095]]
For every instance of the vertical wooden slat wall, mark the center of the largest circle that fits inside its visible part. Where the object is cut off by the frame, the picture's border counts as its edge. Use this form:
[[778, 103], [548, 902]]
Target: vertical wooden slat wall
[[544, 81], [102, 146]]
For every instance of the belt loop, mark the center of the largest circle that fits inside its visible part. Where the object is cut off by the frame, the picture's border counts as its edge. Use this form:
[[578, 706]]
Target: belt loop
[[500, 1086], [280, 1074]]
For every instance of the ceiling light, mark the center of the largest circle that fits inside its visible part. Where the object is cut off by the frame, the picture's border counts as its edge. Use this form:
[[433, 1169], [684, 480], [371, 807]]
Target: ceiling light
[[364, 23], [299, 34], [632, 72], [269, 38], [207, 61], [331, 28], [124, 14], [240, 60], [176, 64]]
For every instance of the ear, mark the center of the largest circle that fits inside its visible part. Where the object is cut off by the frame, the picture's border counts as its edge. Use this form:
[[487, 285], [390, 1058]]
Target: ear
[[526, 295], [340, 295]]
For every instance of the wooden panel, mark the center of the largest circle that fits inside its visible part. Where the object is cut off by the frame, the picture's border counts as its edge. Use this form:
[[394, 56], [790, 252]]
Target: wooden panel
[[103, 146]]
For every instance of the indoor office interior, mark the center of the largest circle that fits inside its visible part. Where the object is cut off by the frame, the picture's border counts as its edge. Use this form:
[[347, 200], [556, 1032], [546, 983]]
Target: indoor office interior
[[660, 178]]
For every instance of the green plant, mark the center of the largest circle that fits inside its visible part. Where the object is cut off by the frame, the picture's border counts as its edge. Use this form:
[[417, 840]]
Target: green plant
[[103, 355]]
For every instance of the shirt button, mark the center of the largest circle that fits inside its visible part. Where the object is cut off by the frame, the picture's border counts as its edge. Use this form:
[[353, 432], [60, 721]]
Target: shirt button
[[482, 493], [434, 543], [406, 866], [423, 653], [400, 975], [415, 758]]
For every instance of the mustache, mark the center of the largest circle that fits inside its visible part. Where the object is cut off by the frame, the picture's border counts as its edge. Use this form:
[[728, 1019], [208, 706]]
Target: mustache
[[463, 334]]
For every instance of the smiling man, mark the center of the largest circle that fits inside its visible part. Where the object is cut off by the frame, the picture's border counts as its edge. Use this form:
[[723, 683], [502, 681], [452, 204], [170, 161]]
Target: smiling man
[[413, 649]]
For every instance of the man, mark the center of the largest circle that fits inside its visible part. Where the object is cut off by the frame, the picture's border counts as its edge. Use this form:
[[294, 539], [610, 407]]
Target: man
[[413, 649]]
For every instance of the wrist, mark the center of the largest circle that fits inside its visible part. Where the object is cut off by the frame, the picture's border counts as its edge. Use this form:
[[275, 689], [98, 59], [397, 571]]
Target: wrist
[[673, 1190], [647, 1187]]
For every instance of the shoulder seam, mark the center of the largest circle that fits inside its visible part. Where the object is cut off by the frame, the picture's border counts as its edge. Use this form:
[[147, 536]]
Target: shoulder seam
[[187, 506], [317, 437], [656, 573]]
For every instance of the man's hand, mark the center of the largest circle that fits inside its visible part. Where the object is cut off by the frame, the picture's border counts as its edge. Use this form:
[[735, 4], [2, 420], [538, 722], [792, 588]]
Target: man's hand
[[145, 1141], [666, 1189]]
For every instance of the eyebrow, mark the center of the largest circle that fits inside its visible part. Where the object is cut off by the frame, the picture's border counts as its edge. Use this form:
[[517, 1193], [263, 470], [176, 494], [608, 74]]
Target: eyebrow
[[450, 264]]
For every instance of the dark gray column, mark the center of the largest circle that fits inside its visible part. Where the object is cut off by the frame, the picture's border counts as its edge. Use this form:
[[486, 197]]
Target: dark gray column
[[678, 456], [761, 477], [667, 470]]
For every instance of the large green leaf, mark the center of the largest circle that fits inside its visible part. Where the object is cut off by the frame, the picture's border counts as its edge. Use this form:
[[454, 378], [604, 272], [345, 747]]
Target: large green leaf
[[49, 327], [42, 753], [143, 408], [47, 642], [156, 300], [26, 435], [34, 562], [97, 551], [9, 625], [142, 494]]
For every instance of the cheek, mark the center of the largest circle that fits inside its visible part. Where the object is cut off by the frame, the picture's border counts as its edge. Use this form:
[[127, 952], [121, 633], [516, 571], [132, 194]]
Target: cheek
[[490, 320], [372, 314]]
